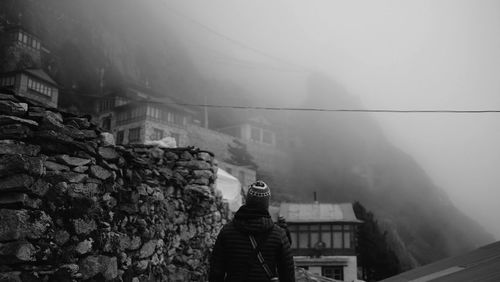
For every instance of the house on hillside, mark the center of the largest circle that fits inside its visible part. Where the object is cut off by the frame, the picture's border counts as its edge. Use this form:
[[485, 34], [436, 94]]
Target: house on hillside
[[323, 237], [257, 130], [137, 114], [256, 134], [21, 70]]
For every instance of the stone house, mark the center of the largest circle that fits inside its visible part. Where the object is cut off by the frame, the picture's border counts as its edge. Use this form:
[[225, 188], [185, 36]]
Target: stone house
[[137, 114], [21, 69], [323, 237]]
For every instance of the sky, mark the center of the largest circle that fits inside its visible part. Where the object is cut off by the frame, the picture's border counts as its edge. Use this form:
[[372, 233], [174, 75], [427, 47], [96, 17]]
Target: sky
[[420, 54]]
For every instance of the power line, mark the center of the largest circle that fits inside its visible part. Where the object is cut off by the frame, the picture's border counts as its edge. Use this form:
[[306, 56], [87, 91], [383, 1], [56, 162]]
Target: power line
[[338, 110], [345, 110], [234, 41]]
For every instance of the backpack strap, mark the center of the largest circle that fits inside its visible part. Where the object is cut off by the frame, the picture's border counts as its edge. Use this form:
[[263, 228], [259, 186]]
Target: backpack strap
[[260, 257]]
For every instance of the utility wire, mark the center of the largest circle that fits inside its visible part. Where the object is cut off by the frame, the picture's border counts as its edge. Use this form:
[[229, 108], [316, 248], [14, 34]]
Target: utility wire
[[299, 109], [337, 110]]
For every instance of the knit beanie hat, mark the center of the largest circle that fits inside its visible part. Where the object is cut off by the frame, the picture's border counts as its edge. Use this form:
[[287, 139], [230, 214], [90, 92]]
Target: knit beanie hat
[[258, 195]]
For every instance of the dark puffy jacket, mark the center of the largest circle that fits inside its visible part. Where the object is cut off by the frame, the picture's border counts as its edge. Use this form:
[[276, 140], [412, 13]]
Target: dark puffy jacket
[[233, 258]]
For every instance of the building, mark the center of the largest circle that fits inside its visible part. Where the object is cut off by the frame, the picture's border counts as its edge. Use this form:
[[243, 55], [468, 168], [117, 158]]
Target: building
[[137, 114], [256, 130], [323, 238], [21, 71], [20, 49], [31, 83], [482, 264]]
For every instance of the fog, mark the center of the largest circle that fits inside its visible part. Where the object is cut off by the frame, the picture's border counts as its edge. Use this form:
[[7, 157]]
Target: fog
[[390, 54]]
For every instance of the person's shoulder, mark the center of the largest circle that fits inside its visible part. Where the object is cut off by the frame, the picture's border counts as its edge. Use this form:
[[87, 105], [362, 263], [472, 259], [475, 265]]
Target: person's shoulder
[[279, 230], [227, 227]]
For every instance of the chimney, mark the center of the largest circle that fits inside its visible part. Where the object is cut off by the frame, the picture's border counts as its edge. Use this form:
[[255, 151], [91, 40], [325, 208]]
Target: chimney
[[315, 198]]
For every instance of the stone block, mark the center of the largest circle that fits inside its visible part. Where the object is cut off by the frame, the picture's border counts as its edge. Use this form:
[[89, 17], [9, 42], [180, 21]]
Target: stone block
[[12, 108], [93, 265], [108, 153], [148, 249], [84, 226], [4, 120], [99, 172], [72, 161], [13, 147], [17, 182], [53, 166], [16, 252], [20, 224], [19, 200], [15, 131]]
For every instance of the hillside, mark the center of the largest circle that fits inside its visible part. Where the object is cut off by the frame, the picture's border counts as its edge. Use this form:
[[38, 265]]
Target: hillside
[[344, 157]]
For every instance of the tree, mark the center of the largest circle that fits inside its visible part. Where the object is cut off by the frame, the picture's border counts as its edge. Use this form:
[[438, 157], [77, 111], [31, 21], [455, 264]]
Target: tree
[[375, 257], [239, 155]]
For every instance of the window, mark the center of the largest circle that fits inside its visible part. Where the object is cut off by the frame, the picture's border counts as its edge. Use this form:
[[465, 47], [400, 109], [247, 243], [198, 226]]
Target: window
[[326, 236], [337, 239], [157, 134], [177, 138], [120, 135], [267, 137], [7, 81], [39, 87], [255, 134], [178, 119], [241, 176], [303, 241], [347, 240], [134, 134], [335, 272], [106, 123], [154, 112]]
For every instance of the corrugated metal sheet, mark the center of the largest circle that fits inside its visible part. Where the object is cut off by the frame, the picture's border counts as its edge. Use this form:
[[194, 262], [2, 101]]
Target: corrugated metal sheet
[[482, 264], [316, 212], [41, 74]]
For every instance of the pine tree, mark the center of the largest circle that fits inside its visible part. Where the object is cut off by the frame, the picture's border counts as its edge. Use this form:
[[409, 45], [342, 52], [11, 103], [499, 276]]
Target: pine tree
[[239, 155], [375, 257]]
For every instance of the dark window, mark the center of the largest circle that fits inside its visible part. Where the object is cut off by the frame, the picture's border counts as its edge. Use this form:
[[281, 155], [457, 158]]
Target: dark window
[[267, 137], [177, 138], [335, 272], [134, 134], [106, 123], [120, 135], [255, 134], [178, 119], [157, 134]]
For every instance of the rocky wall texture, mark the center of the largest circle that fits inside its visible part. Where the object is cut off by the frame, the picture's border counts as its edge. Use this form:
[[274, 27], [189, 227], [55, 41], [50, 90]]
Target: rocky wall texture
[[75, 208]]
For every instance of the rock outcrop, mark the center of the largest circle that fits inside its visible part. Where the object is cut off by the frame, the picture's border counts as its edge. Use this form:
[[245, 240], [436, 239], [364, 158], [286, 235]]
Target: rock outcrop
[[73, 207]]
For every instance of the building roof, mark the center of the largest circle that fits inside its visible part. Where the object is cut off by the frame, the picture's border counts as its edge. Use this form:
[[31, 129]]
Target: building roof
[[482, 264], [38, 73], [316, 212], [41, 74], [143, 94]]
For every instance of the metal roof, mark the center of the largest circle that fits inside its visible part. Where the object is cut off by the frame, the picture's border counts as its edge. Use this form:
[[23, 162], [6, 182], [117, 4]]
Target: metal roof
[[482, 264], [39, 73], [316, 212]]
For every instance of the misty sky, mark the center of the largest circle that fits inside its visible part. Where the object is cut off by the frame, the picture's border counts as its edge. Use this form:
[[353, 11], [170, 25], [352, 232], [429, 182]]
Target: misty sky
[[421, 54]]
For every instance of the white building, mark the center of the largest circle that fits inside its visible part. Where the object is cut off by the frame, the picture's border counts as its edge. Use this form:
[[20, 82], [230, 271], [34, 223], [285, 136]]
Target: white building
[[323, 238]]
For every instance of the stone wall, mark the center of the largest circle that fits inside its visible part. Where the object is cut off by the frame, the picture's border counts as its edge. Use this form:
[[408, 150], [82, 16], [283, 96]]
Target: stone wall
[[73, 207]]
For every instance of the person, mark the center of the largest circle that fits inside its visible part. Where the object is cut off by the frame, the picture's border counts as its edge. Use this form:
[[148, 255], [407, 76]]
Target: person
[[235, 259]]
